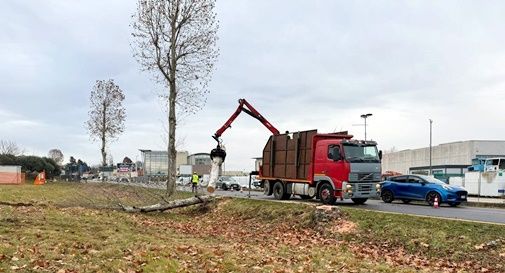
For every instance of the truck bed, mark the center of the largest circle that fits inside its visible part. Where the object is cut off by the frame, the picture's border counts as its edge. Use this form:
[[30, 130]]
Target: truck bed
[[289, 156]]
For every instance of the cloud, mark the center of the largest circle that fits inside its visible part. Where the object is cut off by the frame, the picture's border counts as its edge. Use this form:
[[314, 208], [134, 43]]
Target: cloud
[[303, 65]]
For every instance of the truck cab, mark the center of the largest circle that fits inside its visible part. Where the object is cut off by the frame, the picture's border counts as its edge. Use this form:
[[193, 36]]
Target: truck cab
[[352, 167]]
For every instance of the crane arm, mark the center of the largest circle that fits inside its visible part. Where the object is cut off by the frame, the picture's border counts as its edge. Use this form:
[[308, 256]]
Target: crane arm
[[249, 109]]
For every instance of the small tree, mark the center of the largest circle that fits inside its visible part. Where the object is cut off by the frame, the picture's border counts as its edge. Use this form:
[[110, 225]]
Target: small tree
[[176, 40], [9, 148], [56, 155], [106, 115], [127, 160]]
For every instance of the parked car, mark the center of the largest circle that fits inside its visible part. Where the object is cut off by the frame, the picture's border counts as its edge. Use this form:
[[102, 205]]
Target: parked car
[[183, 180], [226, 183], [421, 187]]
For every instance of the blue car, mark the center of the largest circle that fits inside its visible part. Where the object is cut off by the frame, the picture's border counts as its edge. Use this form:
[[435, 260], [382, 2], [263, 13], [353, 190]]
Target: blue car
[[421, 187]]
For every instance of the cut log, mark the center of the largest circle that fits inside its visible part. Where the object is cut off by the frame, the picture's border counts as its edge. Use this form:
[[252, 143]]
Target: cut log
[[19, 204], [170, 205]]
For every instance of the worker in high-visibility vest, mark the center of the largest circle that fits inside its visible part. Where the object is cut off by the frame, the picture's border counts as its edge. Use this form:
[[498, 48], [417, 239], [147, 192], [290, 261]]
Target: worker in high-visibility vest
[[194, 182]]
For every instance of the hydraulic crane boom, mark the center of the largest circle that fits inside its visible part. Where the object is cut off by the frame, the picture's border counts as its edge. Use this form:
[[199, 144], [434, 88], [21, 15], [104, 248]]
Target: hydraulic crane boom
[[247, 108], [250, 111]]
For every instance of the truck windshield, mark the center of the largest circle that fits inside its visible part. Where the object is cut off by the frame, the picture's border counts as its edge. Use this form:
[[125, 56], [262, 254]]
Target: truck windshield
[[361, 153]]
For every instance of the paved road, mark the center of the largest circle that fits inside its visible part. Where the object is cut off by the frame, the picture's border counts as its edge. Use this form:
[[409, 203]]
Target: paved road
[[488, 215]]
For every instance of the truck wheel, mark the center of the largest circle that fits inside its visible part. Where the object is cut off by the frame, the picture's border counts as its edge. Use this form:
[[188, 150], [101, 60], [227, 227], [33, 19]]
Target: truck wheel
[[267, 188], [359, 201], [279, 191], [327, 194]]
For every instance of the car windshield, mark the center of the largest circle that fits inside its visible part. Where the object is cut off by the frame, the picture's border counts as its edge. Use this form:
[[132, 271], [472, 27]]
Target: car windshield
[[227, 179], [430, 179], [361, 153]]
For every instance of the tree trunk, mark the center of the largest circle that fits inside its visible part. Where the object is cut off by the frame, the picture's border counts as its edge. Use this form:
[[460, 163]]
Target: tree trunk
[[172, 153], [104, 154], [170, 205]]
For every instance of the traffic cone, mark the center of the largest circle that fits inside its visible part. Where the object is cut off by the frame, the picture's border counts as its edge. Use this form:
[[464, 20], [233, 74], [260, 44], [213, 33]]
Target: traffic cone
[[435, 203], [40, 179]]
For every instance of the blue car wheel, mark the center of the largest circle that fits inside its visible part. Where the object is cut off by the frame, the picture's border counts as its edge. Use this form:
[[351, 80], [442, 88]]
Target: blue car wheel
[[387, 196], [430, 198]]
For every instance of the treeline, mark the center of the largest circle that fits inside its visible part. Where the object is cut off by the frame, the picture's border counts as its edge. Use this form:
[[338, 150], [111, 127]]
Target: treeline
[[32, 165]]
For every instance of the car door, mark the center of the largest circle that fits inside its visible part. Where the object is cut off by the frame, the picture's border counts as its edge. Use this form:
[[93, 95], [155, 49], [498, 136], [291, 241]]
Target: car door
[[418, 187], [399, 186]]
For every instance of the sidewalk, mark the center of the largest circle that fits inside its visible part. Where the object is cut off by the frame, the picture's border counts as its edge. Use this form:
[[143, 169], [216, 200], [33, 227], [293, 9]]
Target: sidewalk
[[486, 200]]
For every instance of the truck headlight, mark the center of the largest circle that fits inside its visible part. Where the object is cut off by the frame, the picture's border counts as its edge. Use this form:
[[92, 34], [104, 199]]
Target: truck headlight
[[378, 186], [349, 186]]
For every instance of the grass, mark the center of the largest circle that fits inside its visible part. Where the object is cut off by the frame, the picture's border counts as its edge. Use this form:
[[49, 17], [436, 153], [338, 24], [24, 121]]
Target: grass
[[454, 240], [236, 235]]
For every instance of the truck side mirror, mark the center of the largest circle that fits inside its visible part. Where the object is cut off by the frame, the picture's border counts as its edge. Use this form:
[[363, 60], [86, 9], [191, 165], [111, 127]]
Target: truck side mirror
[[380, 154]]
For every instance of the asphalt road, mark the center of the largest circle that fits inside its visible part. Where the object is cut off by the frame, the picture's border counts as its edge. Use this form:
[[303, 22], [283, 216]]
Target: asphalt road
[[462, 212]]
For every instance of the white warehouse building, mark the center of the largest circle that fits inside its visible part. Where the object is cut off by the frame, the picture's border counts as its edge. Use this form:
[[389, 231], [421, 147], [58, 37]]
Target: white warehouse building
[[449, 159]]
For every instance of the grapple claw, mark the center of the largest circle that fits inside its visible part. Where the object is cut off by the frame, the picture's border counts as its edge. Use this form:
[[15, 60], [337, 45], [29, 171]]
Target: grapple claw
[[218, 152]]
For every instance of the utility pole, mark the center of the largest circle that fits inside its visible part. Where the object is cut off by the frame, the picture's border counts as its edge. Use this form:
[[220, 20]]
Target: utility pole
[[431, 171], [365, 116]]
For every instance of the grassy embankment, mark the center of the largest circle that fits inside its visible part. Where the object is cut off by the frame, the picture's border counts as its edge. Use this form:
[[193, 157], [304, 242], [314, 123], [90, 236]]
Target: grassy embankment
[[71, 229]]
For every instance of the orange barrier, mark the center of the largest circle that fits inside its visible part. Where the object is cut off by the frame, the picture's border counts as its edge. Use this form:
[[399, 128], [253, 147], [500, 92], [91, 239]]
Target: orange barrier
[[10, 178]]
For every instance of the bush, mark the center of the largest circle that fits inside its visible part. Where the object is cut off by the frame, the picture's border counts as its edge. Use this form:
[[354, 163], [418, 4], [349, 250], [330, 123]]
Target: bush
[[32, 164]]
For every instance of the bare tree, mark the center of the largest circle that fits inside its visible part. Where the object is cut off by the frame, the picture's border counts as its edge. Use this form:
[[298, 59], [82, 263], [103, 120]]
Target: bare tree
[[8, 147], [106, 114], [176, 40], [56, 155]]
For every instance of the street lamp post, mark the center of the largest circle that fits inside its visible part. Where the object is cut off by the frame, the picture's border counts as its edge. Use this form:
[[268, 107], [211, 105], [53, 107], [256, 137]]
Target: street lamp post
[[431, 171], [365, 116]]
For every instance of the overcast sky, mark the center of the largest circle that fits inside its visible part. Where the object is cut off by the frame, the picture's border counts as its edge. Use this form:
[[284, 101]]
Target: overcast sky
[[302, 64]]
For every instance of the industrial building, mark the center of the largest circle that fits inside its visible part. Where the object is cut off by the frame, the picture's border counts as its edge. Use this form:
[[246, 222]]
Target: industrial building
[[156, 162], [449, 159]]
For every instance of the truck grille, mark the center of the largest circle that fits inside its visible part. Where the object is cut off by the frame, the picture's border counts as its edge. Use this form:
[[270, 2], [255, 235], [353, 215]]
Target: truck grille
[[355, 177], [364, 187]]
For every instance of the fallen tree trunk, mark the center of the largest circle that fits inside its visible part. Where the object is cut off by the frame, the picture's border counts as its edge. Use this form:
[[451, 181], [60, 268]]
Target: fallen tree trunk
[[170, 205], [19, 204]]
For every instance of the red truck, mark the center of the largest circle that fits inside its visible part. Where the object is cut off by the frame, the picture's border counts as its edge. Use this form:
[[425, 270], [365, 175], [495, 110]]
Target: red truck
[[325, 166]]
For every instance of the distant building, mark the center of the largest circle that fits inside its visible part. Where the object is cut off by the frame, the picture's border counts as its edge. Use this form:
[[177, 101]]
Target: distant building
[[156, 162], [201, 163], [199, 159], [448, 159]]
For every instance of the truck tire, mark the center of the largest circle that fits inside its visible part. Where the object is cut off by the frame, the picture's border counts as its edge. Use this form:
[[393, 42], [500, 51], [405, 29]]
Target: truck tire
[[267, 188], [359, 201], [327, 194], [279, 191]]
